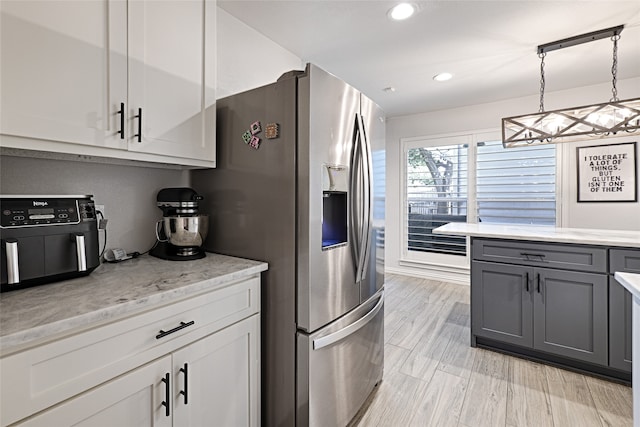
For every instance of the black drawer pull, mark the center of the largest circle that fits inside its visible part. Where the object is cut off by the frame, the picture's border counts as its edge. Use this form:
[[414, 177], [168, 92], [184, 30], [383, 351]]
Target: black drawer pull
[[167, 392], [527, 255], [139, 117], [526, 280], [538, 282], [185, 392], [183, 325], [121, 112]]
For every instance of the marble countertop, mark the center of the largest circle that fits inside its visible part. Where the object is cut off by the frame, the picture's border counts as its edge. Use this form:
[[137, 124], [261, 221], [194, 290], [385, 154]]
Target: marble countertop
[[584, 236], [631, 281], [109, 292]]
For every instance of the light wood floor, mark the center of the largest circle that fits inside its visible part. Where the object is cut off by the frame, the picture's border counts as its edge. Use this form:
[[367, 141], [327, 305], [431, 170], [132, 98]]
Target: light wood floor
[[432, 377]]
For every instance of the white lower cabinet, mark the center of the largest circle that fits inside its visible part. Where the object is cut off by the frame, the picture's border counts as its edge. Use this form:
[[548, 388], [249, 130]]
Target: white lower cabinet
[[216, 379], [134, 399], [213, 381], [193, 362]]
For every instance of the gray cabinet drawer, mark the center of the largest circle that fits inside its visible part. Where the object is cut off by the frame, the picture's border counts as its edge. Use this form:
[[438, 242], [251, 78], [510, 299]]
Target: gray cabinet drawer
[[627, 260], [565, 257]]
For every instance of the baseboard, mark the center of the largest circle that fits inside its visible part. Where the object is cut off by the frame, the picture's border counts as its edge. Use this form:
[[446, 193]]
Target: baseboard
[[460, 277]]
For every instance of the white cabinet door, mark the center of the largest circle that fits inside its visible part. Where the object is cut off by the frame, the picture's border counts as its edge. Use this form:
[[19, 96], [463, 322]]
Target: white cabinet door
[[221, 382], [170, 83], [134, 399], [64, 70]]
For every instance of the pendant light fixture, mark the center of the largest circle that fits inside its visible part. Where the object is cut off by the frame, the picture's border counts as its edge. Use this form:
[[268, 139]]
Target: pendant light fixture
[[576, 123]]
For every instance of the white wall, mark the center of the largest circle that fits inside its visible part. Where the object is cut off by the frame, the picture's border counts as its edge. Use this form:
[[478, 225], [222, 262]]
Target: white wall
[[247, 59], [487, 117]]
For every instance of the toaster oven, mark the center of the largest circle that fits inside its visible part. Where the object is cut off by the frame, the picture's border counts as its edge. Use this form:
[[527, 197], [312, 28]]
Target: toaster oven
[[46, 238]]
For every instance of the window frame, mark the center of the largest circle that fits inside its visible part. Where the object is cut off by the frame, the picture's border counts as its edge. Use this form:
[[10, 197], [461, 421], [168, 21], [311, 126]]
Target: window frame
[[472, 138]]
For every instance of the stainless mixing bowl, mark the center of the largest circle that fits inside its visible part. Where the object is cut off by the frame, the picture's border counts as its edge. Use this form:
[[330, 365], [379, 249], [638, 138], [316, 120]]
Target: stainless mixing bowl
[[186, 231]]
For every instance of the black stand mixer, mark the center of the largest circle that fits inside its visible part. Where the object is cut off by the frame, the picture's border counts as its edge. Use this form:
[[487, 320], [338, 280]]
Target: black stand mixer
[[182, 230]]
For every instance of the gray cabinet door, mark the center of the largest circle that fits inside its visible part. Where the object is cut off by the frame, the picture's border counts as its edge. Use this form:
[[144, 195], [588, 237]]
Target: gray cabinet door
[[570, 314], [619, 326], [501, 303]]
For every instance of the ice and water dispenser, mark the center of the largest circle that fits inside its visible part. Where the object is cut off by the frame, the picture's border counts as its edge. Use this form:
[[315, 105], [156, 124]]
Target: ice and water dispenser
[[334, 205]]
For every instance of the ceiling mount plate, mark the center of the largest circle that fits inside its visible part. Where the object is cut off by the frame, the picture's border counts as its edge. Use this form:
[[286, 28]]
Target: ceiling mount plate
[[584, 38]]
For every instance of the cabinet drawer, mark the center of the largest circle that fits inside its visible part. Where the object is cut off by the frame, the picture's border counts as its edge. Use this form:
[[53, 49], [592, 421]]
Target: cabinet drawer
[[627, 260], [37, 378], [565, 257]]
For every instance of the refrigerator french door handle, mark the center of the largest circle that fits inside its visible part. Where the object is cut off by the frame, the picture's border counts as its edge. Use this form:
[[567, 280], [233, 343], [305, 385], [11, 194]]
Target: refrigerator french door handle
[[355, 220], [350, 329], [368, 187]]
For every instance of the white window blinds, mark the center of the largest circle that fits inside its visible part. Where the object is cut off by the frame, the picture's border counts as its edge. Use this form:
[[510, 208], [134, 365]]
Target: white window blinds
[[516, 185]]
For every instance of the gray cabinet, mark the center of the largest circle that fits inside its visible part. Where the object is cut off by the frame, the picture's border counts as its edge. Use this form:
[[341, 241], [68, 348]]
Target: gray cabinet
[[620, 323], [501, 303], [570, 314], [559, 312]]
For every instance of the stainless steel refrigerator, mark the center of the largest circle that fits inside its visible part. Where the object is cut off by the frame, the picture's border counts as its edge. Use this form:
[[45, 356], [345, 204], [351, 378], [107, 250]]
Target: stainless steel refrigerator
[[299, 184]]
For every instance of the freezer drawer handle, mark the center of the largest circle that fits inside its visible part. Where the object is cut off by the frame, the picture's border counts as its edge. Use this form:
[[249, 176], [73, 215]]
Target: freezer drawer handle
[[352, 328], [162, 334]]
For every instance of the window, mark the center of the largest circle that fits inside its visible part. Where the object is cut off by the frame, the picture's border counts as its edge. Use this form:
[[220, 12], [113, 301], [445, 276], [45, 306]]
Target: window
[[436, 194], [458, 179], [516, 185]]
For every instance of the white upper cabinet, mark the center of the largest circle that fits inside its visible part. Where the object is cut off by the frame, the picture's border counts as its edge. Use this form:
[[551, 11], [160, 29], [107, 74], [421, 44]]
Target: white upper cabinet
[[68, 68], [64, 70], [170, 81]]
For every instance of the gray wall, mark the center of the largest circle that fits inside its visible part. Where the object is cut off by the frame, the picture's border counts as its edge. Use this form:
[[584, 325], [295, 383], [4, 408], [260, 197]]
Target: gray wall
[[128, 192]]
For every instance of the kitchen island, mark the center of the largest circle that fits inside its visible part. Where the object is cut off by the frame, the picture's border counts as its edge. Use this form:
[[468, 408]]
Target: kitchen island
[[631, 282], [129, 331], [549, 294]]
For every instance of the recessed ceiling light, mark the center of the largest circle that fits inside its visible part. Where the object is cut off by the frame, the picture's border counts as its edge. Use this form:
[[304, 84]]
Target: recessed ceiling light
[[402, 11], [442, 77]]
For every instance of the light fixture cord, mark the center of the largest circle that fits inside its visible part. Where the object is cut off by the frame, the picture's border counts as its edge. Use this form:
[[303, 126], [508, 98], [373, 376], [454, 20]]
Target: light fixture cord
[[614, 68], [541, 55]]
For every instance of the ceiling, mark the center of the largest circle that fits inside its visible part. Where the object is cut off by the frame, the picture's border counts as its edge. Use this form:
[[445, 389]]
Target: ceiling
[[489, 46]]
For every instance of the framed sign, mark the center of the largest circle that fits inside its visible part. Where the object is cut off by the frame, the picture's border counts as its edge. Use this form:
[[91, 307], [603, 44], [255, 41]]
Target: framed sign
[[607, 173]]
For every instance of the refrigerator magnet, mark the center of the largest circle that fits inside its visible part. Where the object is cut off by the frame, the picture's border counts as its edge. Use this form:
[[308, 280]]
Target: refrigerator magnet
[[255, 127], [271, 130], [254, 142], [246, 137]]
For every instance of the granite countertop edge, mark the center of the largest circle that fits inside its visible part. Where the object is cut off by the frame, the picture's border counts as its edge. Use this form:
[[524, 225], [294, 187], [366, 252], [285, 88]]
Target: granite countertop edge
[[147, 294], [582, 236]]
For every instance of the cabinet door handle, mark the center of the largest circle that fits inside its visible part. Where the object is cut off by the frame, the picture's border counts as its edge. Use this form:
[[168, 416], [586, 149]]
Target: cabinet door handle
[[538, 282], [185, 392], [121, 112], [162, 334], [167, 393], [526, 280], [139, 117]]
